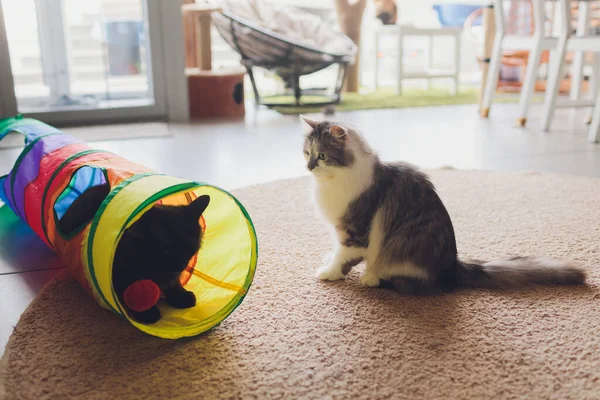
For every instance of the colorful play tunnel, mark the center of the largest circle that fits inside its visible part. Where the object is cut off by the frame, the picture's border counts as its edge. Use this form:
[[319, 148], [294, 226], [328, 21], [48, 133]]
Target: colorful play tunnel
[[54, 168]]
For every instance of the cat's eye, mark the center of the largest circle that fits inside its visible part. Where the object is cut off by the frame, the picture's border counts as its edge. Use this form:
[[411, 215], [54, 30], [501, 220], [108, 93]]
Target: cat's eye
[[306, 152], [322, 156]]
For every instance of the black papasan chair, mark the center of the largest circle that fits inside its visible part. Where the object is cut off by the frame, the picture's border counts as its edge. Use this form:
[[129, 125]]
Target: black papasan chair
[[286, 56]]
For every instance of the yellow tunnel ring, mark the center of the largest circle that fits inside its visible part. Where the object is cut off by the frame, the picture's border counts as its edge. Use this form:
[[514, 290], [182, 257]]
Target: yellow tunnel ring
[[224, 268]]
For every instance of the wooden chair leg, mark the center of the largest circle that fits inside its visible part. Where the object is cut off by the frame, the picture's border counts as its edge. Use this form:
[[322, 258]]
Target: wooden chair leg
[[557, 61], [533, 62], [376, 62], [429, 62], [495, 60], [577, 67], [457, 45], [529, 83], [594, 87], [400, 60], [594, 129]]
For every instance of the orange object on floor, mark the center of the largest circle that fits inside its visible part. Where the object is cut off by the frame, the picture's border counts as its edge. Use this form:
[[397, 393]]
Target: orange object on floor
[[216, 93]]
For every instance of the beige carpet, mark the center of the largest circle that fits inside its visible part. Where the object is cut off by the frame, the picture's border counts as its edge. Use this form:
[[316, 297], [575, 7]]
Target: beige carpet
[[294, 337]]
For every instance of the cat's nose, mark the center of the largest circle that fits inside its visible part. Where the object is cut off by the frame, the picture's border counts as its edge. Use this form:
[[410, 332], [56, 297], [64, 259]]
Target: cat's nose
[[311, 164]]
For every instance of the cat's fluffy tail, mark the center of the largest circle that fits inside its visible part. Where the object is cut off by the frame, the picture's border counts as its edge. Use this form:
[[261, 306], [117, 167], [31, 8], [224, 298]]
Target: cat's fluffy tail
[[518, 272]]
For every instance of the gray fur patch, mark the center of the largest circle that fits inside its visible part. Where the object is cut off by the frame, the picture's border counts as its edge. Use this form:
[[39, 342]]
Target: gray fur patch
[[320, 140], [348, 265], [416, 226], [516, 272]]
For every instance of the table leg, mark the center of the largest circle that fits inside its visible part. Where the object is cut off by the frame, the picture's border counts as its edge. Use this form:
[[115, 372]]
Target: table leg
[[203, 42], [489, 29]]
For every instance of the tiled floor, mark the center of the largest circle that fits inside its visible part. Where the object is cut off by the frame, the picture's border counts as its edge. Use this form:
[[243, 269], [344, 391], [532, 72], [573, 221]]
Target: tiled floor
[[266, 146]]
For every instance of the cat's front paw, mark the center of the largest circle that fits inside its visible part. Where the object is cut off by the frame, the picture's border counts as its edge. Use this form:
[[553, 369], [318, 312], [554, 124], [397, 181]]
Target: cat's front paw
[[147, 317], [182, 299], [328, 273], [327, 259], [367, 279]]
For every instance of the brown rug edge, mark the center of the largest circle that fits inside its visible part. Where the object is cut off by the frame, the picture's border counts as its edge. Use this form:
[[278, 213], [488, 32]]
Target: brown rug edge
[[2, 373], [7, 351]]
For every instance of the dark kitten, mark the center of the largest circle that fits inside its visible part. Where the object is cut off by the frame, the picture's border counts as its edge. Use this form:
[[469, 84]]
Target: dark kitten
[[158, 246]]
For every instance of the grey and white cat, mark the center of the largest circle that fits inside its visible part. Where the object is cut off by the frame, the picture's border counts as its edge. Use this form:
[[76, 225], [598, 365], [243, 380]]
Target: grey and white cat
[[390, 216]]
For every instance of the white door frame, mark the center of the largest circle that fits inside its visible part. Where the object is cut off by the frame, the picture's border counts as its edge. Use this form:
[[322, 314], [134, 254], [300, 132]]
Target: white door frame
[[53, 47], [169, 83], [8, 100], [173, 60]]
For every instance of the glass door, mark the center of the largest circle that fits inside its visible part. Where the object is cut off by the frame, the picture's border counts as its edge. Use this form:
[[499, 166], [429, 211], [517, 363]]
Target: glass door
[[84, 61]]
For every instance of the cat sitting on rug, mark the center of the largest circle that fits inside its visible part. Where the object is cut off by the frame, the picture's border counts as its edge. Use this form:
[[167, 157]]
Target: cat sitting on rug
[[390, 216], [158, 247]]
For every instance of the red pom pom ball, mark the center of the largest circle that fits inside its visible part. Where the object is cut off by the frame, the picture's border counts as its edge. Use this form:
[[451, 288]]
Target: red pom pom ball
[[141, 295]]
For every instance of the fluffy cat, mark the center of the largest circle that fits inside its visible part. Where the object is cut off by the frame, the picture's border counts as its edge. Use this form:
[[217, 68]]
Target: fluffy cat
[[158, 246], [390, 216]]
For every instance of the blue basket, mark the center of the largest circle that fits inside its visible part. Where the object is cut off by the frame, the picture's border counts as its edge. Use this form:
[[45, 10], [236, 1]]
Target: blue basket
[[454, 15]]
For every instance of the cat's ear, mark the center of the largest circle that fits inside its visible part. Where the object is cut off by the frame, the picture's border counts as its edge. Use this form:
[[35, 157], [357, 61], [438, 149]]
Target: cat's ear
[[338, 132], [312, 124], [199, 205]]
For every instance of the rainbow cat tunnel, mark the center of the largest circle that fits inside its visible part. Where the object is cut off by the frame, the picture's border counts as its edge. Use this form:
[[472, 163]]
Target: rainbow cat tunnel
[[55, 168]]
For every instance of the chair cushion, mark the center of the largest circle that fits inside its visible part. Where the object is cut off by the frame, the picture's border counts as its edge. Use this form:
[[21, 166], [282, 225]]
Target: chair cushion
[[293, 24]]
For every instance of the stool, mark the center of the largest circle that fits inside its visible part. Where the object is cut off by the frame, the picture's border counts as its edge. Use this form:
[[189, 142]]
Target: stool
[[211, 93], [217, 93]]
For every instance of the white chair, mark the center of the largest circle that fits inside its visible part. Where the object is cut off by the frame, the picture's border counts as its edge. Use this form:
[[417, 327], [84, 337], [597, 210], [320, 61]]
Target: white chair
[[536, 44], [582, 42], [594, 129], [401, 31]]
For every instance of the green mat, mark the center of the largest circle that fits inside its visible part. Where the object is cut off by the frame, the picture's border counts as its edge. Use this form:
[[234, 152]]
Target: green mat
[[387, 98]]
